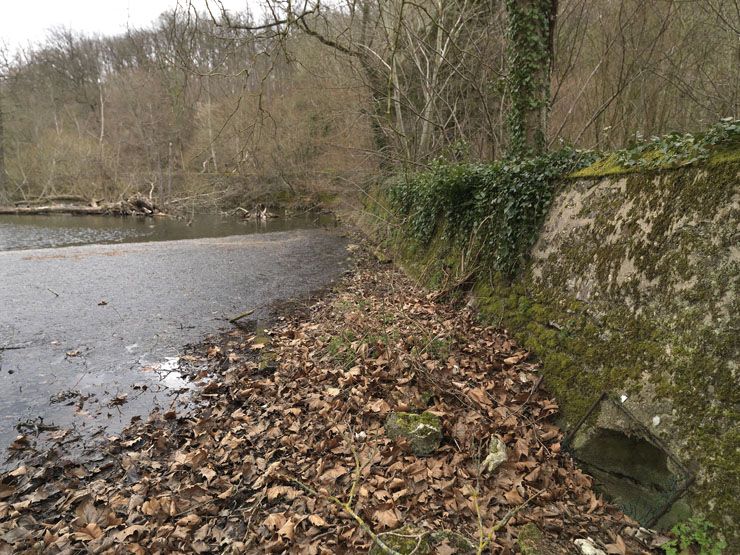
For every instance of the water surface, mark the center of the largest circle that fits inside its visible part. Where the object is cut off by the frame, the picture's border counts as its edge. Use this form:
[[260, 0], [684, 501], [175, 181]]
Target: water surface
[[50, 231], [90, 335]]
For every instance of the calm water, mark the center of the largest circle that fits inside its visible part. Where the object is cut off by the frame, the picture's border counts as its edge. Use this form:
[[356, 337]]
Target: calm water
[[38, 232]]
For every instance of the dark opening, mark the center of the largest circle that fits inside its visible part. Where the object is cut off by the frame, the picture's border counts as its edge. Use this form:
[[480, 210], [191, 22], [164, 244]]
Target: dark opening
[[630, 471]]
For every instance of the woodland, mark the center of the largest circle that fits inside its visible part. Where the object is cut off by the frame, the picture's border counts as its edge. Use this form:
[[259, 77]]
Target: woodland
[[215, 107], [389, 415]]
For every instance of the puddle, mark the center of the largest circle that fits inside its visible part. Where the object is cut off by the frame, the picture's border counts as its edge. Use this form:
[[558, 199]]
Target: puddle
[[170, 375]]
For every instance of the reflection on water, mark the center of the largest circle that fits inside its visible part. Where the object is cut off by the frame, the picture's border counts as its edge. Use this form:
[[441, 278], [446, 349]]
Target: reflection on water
[[38, 232]]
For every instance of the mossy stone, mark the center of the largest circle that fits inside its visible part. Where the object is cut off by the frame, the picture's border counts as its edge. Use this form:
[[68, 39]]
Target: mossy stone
[[531, 540], [461, 544], [406, 540], [423, 431]]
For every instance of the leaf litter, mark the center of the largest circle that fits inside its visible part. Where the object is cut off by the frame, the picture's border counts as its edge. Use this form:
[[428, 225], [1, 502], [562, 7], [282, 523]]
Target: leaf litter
[[282, 449]]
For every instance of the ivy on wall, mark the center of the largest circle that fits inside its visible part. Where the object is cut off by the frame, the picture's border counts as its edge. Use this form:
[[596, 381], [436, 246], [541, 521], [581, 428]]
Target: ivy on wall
[[499, 206], [679, 149]]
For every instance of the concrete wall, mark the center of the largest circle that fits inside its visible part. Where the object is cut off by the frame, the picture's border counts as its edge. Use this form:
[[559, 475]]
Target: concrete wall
[[631, 290], [649, 266]]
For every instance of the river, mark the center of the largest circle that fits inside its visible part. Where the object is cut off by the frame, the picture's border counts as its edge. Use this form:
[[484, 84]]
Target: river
[[89, 334]]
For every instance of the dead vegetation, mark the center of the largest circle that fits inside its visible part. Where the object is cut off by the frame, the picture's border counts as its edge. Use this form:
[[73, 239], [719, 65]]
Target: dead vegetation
[[135, 205], [283, 449]]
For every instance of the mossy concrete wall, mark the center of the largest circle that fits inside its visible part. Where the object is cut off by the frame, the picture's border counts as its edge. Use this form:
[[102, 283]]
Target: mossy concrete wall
[[632, 289]]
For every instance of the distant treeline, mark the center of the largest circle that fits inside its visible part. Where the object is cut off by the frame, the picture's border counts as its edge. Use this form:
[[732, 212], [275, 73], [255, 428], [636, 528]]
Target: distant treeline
[[211, 106]]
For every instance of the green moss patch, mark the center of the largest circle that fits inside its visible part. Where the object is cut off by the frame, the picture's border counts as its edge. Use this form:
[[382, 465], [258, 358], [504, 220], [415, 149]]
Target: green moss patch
[[422, 431]]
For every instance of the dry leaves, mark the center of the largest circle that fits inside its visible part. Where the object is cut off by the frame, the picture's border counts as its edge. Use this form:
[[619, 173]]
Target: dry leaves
[[233, 473]]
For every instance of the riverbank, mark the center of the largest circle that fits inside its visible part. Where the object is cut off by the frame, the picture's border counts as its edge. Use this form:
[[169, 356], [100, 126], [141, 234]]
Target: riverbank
[[285, 447], [264, 203]]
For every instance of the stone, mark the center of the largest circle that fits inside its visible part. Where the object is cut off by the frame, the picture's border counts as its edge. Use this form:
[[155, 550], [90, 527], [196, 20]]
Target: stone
[[405, 540], [588, 547], [497, 455], [412, 540], [531, 541], [423, 431]]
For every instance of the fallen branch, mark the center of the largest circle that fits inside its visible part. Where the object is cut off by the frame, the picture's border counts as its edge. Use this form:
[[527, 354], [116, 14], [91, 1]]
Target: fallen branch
[[357, 518], [136, 204], [238, 317], [53, 199], [485, 542], [56, 209]]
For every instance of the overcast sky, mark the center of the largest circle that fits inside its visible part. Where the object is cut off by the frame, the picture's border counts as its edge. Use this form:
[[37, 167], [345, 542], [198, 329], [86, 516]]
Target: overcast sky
[[24, 22]]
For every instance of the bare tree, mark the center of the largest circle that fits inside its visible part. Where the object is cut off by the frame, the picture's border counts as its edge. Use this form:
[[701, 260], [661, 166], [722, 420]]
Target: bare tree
[[4, 194]]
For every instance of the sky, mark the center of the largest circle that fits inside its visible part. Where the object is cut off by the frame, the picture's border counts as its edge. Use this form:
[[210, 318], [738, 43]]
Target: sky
[[26, 22]]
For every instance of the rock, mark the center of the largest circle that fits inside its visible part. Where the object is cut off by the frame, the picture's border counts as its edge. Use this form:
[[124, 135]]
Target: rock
[[458, 542], [587, 547], [410, 539], [497, 455], [405, 541], [531, 541], [423, 431]]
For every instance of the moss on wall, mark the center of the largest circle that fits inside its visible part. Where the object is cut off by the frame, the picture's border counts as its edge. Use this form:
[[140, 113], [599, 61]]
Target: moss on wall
[[632, 288]]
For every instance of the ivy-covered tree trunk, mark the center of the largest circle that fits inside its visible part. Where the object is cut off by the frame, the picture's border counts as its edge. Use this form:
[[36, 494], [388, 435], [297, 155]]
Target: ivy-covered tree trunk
[[530, 53], [3, 175]]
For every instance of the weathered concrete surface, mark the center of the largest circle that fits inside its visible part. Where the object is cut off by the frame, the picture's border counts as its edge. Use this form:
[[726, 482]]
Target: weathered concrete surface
[[159, 296], [632, 290]]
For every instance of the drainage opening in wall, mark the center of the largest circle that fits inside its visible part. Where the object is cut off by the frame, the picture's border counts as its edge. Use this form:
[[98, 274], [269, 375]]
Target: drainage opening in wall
[[629, 464]]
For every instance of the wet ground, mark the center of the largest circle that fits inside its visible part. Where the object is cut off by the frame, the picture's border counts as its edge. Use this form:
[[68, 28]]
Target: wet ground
[[86, 332]]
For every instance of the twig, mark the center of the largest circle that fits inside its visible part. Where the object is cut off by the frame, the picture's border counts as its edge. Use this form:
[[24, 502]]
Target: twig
[[13, 347], [504, 521], [238, 317], [345, 507]]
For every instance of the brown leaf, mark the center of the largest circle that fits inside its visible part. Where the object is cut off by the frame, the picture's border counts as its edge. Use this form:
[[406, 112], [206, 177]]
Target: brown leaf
[[90, 532], [287, 530], [286, 491], [275, 521], [189, 521], [514, 497], [316, 520], [618, 547], [333, 473], [386, 518]]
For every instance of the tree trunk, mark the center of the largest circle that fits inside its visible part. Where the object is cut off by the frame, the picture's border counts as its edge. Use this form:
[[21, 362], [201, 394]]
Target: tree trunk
[[530, 37], [3, 176]]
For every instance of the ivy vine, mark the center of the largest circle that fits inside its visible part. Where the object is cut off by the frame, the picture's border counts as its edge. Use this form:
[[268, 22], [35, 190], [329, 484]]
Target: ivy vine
[[529, 52], [679, 149], [499, 206], [695, 535]]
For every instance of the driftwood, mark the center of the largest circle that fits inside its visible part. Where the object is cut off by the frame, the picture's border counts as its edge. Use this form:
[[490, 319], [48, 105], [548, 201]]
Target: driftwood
[[54, 209], [136, 205], [259, 212], [57, 199]]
